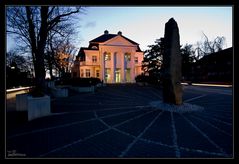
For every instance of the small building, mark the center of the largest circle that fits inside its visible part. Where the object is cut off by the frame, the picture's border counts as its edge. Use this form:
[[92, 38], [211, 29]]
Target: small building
[[112, 58], [215, 67]]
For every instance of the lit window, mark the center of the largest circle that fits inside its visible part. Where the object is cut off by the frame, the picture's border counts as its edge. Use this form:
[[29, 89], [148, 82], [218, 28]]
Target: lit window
[[128, 75], [82, 73], [97, 73], [94, 59], [136, 59], [107, 75], [127, 56], [107, 57], [87, 72]]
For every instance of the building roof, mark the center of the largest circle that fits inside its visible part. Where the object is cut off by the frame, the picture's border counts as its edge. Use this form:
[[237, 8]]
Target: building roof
[[94, 44], [226, 53], [107, 36], [103, 38]]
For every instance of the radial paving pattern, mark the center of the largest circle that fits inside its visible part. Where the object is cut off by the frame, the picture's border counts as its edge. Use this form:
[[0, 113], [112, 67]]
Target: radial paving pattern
[[117, 121]]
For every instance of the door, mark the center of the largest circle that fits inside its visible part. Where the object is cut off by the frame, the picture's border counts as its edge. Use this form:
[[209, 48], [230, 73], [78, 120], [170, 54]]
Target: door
[[117, 76]]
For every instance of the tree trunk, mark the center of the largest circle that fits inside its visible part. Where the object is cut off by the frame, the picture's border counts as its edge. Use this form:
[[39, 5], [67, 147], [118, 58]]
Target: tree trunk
[[50, 63], [40, 67], [51, 58], [50, 69], [38, 45], [40, 72]]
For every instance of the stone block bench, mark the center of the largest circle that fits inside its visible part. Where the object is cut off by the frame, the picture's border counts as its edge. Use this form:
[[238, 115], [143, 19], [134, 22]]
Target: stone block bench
[[59, 92], [35, 106], [90, 89]]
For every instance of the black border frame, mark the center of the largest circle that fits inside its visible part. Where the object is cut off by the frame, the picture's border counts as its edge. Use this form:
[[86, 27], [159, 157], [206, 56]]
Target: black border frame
[[234, 3]]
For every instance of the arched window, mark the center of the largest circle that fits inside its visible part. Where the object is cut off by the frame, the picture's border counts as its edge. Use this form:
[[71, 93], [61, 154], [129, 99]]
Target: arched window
[[127, 56], [107, 56], [136, 60], [94, 59]]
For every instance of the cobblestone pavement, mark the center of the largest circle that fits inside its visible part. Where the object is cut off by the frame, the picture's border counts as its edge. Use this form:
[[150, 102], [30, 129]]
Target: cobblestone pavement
[[117, 122]]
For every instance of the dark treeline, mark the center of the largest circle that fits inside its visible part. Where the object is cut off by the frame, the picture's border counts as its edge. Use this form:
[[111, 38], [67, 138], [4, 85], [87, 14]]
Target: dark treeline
[[204, 62]]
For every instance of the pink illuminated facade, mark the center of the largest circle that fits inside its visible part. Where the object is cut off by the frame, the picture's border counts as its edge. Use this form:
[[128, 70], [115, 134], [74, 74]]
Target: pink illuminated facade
[[111, 57]]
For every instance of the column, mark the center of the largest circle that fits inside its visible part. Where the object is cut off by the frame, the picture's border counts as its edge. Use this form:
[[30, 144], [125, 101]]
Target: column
[[132, 68], [115, 64], [124, 65], [102, 66], [113, 67]]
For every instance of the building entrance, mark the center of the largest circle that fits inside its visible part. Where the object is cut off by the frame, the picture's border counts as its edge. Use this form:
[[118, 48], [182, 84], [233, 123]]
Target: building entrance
[[117, 76]]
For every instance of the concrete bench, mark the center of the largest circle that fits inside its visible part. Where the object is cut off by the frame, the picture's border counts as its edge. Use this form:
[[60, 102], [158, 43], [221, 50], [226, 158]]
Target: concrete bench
[[90, 89], [35, 106], [38, 107], [59, 92]]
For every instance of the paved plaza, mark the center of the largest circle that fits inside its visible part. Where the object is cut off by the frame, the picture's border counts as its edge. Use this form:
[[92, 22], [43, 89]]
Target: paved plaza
[[118, 122]]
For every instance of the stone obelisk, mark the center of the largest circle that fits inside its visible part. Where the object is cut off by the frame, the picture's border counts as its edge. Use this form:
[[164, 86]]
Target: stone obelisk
[[172, 63]]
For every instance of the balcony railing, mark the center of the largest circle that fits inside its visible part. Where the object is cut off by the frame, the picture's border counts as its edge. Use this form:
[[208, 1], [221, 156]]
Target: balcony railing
[[89, 63]]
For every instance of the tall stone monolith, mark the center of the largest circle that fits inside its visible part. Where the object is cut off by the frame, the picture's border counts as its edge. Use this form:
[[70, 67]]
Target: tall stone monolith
[[172, 61]]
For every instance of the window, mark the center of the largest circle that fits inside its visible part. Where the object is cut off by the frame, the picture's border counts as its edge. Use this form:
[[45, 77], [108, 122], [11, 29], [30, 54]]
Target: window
[[97, 73], [128, 75], [136, 59], [107, 75], [94, 59], [81, 73], [107, 57], [87, 72], [127, 56], [117, 75]]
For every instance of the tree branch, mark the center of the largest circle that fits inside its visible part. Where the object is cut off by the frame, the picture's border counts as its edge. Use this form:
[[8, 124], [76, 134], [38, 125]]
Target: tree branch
[[55, 20], [31, 28]]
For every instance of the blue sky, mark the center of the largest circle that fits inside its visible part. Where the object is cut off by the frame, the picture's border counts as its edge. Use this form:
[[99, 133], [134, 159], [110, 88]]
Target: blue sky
[[146, 24]]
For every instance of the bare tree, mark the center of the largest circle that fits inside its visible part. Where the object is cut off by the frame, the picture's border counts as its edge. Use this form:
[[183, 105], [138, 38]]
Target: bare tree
[[63, 54], [206, 46], [60, 51], [31, 26], [18, 60]]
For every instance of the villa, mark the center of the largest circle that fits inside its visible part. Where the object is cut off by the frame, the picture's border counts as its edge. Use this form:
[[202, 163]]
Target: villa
[[112, 58]]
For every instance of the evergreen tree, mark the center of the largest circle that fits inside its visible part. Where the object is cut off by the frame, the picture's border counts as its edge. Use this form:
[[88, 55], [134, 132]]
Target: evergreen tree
[[188, 57], [152, 61]]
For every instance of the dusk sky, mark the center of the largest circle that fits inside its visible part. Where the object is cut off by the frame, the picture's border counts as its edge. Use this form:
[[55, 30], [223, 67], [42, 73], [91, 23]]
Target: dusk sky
[[146, 24]]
